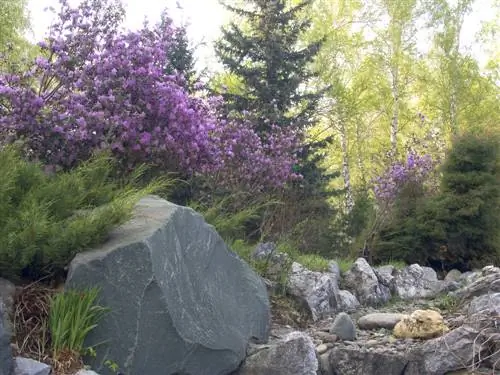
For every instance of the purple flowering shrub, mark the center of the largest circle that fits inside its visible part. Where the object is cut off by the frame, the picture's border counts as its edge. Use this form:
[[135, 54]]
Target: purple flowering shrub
[[415, 170], [94, 87]]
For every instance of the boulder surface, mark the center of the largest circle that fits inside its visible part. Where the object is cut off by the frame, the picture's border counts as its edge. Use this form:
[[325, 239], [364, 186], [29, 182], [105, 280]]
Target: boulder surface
[[181, 302]]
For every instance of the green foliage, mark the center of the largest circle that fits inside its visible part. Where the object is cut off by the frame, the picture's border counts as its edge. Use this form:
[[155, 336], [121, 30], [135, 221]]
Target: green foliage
[[460, 226], [262, 47], [235, 216], [14, 21], [344, 264], [45, 219], [448, 303], [313, 262], [73, 315]]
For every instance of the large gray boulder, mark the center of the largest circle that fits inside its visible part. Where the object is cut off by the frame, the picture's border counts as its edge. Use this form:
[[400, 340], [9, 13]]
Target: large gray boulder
[[6, 361], [181, 302]]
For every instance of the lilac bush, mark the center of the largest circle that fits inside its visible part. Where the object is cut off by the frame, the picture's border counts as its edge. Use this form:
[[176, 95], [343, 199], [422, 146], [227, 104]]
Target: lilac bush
[[415, 169], [94, 87]]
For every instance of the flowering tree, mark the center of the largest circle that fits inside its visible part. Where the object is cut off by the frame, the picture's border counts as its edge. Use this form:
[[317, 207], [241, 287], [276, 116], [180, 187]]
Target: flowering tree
[[415, 169], [94, 87]]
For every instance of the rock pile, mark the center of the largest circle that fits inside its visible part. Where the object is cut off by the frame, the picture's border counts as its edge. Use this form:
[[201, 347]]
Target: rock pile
[[183, 303]]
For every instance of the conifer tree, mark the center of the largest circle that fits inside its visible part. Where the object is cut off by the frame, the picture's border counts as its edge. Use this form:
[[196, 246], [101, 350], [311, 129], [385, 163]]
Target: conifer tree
[[263, 51]]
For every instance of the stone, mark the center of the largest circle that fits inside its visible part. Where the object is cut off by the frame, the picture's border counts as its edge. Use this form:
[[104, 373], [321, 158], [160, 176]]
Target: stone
[[294, 355], [28, 366], [421, 324], [352, 361], [7, 295], [347, 301], [385, 274], [180, 300], [379, 320], [326, 337], [450, 352], [363, 282], [317, 291], [415, 281], [276, 262], [321, 348], [343, 327], [264, 250], [333, 267], [6, 362], [487, 304], [86, 372], [487, 282], [453, 275]]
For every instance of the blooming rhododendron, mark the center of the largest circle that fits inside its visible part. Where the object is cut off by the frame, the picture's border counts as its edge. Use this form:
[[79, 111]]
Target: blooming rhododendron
[[95, 87], [415, 169]]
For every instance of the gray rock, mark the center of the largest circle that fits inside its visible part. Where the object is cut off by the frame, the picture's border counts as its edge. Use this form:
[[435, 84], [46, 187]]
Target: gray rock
[[453, 275], [347, 301], [27, 366], [385, 274], [264, 250], [487, 304], [6, 362], [489, 282], [7, 294], [343, 327], [489, 270], [317, 291], [333, 267], [415, 281], [352, 361], [469, 277], [294, 355], [379, 320], [86, 372], [363, 282], [276, 263], [453, 351], [180, 301]]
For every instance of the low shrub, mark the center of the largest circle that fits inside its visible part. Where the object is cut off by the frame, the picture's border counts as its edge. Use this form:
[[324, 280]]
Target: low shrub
[[46, 218]]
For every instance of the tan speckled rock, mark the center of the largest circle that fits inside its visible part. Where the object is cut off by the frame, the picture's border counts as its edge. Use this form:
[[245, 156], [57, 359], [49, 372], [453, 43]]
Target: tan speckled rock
[[421, 324]]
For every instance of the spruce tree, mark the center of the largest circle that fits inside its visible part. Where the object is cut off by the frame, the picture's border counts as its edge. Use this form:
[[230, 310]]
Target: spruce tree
[[262, 47], [263, 51]]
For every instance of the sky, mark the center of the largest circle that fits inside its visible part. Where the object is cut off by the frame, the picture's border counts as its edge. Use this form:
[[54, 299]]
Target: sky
[[205, 17]]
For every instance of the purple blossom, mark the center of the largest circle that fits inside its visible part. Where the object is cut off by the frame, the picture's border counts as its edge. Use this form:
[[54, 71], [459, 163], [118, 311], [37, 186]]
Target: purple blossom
[[96, 87]]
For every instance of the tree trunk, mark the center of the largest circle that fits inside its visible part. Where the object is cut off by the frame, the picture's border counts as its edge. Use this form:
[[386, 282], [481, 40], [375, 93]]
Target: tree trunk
[[346, 173]]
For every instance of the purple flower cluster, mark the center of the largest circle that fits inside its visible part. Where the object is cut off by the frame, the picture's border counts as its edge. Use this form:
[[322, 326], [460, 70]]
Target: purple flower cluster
[[94, 87], [415, 169]]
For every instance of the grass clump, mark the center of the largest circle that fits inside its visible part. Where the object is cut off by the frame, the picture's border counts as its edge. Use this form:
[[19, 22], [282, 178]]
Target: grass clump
[[448, 303], [73, 315], [45, 219], [313, 262], [345, 264]]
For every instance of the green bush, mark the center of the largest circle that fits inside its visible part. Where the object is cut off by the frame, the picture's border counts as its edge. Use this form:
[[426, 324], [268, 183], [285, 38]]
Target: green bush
[[463, 223], [45, 219], [460, 226]]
